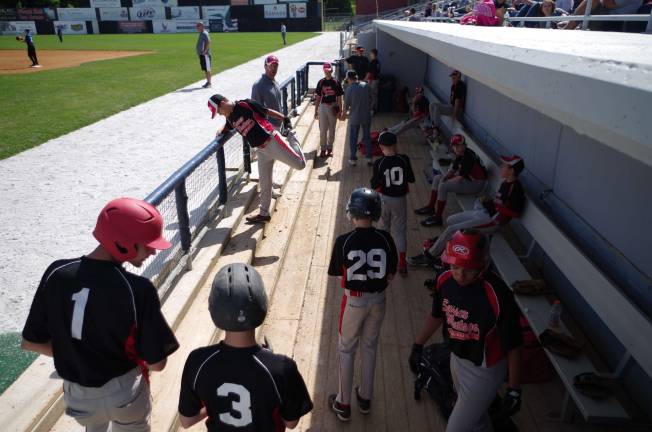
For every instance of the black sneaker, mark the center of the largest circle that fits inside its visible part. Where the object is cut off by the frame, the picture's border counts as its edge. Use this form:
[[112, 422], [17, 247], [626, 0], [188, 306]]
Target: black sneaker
[[258, 218], [207, 85], [422, 260], [343, 412], [427, 210], [434, 220], [364, 405]]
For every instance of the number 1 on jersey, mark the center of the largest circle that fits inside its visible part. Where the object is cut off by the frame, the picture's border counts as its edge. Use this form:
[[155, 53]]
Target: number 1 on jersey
[[79, 298], [393, 176]]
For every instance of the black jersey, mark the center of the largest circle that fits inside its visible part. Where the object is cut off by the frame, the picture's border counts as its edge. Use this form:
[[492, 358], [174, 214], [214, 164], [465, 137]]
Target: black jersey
[[458, 91], [374, 69], [102, 320], [329, 90], [360, 64], [245, 389], [421, 105], [391, 175], [364, 257], [469, 166], [250, 119], [480, 321], [509, 202]]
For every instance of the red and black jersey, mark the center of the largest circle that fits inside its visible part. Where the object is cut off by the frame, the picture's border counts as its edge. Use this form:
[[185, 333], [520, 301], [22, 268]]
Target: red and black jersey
[[508, 203], [364, 257], [469, 166], [329, 90], [245, 389], [458, 91], [480, 321], [421, 105], [391, 175], [101, 319], [249, 118]]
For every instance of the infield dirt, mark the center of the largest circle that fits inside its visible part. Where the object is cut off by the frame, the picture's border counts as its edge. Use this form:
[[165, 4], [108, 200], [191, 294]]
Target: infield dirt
[[16, 61]]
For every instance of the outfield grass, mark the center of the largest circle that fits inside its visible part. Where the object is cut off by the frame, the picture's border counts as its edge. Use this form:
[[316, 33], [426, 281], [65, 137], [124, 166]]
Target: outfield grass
[[36, 107]]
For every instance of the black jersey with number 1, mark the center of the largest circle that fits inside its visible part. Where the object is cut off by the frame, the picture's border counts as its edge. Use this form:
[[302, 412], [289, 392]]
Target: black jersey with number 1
[[364, 257], [391, 175], [245, 389]]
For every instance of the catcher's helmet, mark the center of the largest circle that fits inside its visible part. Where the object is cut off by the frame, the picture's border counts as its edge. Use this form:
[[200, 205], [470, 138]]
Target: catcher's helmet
[[468, 249], [238, 301], [125, 222], [364, 203]]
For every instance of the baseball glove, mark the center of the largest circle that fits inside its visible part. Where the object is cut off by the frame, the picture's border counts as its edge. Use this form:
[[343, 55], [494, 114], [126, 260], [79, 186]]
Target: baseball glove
[[18, 38]]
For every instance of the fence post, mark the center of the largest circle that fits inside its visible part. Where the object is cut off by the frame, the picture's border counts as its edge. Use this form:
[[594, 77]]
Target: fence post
[[587, 13], [181, 198], [221, 174], [648, 29], [284, 91], [305, 77], [246, 156], [294, 95]]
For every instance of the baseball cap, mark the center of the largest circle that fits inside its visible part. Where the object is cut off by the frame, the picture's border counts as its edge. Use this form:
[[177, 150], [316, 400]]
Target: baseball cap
[[271, 59], [328, 66], [458, 139], [455, 72], [350, 74], [359, 48], [515, 162], [214, 103]]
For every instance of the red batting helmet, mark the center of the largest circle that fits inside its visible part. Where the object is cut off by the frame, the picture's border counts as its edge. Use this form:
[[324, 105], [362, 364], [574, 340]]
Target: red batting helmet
[[125, 222], [467, 249], [458, 139]]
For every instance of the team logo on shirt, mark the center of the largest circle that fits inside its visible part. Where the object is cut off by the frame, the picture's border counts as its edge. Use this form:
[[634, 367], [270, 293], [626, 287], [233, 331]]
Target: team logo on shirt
[[244, 126], [458, 328]]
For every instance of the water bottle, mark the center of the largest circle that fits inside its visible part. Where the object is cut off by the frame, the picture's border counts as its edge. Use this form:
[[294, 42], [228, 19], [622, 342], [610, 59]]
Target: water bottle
[[554, 322]]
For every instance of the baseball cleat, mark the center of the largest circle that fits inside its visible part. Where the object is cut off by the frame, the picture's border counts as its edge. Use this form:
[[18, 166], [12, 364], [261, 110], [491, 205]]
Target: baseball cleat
[[342, 411], [364, 405], [207, 85], [259, 218], [434, 220], [353, 162], [322, 154], [425, 211]]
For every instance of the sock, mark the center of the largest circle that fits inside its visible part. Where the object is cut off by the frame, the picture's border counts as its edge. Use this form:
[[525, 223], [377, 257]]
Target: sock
[[433, 198], [401, 259], [440, 208]]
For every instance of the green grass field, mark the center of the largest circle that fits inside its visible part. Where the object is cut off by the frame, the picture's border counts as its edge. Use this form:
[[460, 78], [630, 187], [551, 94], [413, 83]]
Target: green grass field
[[36, 107]]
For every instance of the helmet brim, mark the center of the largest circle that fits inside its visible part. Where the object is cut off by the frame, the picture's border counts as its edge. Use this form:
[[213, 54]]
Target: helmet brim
[[452, 260], [160, 244]]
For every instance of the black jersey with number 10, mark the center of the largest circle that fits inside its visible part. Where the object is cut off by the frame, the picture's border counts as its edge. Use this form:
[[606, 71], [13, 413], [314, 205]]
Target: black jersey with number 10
[[391, 175]]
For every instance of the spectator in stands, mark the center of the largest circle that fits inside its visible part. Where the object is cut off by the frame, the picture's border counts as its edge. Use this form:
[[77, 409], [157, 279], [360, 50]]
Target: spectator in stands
[[372, 77], [544, 8], [501, 9], [487, 215], [357, 107], [358, 62], [603, 7], [483, 14], [565, 5], [427, 12], [467, 175], [455, 107], [639, 26]]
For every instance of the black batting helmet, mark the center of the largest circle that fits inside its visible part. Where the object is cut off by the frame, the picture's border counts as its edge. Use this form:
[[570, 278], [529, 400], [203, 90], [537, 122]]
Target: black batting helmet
[[364, 203], [238, 301]]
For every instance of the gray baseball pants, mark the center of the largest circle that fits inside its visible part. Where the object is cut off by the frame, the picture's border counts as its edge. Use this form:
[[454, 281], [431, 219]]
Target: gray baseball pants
[[373, 84], [361, 316], [476, 387], [393, 219], [327, 123], [477, 218], [440, 110], [276, 148], [121, 405], [464, 186]]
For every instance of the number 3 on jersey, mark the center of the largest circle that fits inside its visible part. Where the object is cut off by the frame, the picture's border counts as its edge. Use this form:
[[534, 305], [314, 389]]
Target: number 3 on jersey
[[393, 176], [241, 404], [375, 258]]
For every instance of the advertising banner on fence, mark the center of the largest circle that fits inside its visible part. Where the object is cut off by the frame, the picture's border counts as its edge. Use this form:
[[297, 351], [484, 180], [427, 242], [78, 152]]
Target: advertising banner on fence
[[164, 26], [36, 14], [276, 11], [239, 2], [8, 14], [76, 14], [72, 27], [139, 13], [184, 12], [105, 3], [162, 3], [291, 1], [114, 14], [188, 26], [264, 2], [16, 27], [132, 27], [215, 12], [298, 10]]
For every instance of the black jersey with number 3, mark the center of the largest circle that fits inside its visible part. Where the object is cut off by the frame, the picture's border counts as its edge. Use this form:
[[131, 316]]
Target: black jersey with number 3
[[391, 175], [245, 389], [101, 319], [364, 257]]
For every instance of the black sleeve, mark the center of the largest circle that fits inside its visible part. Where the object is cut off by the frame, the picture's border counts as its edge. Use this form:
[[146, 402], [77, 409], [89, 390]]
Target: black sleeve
[[155, 340], [189, 402], [436, 311], [318, 89], [256, 107], [296, 400], [337, 260], [227, 126], [339, 91], [409, 174], [460, 91], [392, 258], [36, 328], [509, 326], [375, 181]]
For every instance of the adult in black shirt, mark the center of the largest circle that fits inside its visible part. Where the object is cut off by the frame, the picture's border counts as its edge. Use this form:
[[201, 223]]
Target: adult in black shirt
[[102, 324], [359, 62], [373, 78], [328, 105], [455, 106]]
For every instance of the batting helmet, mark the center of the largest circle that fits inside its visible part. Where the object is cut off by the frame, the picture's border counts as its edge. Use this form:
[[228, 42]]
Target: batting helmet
[[458, 139], [387, 138], [238, 301], [125, 222], [468, 249], [364, 203]]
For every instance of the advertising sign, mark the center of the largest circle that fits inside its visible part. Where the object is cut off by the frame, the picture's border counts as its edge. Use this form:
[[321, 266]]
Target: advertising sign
[[139, 13], [189, 26], [164, 26], [239, 2], [114, 14], [184, 12], [35, 14], [71, 27], [105, 3], [76, 14], [16, 27], [8, 14], [264, 2], [162, 3], [291, 1], [215, 12], [132, 27], [276, 11], [298, 10]]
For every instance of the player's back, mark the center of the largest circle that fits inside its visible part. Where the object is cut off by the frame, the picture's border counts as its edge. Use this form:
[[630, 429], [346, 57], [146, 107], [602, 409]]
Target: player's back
[[391, 175]]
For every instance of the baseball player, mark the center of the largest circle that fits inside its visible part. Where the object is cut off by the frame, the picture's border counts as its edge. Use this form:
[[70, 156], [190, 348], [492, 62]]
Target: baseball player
[[467, 175], [203, 48], [328, 105], [365, 258], [102, 324], [373, 78], [249, 118], [237, 384], [480, 324], [31, 49], [487, 214], [359, 62], [391, 175]]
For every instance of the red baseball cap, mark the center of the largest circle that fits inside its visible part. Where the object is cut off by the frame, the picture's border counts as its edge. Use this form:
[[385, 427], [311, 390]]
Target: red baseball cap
[[328, 66], [360, 48], [214, 104], [271, 59], [515, 161]]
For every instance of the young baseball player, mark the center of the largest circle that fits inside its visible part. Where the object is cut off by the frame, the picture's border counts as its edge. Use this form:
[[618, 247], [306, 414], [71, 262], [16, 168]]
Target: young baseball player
[[366, 259], [391, 175], [249, 118], [466, 175], [237, 384], [102, 324], [480, 324], [328, 105], [31, 48], [487, 215]]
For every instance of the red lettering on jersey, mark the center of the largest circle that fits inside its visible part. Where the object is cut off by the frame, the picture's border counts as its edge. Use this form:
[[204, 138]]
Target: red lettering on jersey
[[244, 126], [458, 328]]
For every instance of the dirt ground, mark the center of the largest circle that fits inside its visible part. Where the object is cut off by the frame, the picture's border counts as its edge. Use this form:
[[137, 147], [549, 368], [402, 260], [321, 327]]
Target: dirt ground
[[16, 61]]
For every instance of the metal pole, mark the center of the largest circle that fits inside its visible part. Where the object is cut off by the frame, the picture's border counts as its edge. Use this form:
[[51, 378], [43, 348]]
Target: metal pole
[[293, 89], [284, 91], [221, 174], [298, 80], [181, 198], [648, 29], [587, 13], [246, 156]]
